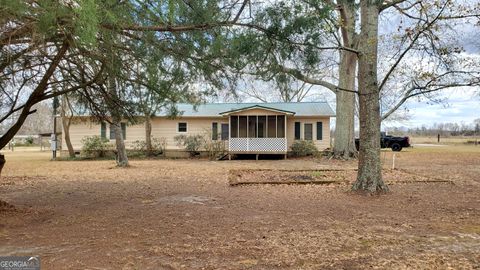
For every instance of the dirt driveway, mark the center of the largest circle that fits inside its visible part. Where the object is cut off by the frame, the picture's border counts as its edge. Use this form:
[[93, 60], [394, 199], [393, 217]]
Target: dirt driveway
[[182, 214]]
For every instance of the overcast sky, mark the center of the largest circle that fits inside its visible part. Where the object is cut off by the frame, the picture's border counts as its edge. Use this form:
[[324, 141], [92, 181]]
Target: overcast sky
[[460, 105]]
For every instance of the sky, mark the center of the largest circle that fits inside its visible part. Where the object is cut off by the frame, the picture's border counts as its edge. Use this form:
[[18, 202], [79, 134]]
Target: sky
[[460, 106]]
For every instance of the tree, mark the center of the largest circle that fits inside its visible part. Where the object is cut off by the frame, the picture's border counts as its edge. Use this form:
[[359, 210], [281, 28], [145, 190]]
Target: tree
[[282, 88], [369, 176], [299, 40], [66, 113], [38, 40]]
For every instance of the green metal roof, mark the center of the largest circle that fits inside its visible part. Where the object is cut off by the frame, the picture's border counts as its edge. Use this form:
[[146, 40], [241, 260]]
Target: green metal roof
[[216, 109], [256, 107]]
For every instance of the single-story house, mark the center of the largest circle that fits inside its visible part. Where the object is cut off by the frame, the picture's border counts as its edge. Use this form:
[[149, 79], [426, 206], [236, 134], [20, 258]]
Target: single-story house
[[246, 128]]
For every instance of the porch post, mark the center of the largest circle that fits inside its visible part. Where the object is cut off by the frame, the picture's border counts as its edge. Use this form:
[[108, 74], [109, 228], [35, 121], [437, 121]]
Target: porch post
[[229, 133], [248, 139], [266, 126], [276, 126], [256, 123], [285, 133]]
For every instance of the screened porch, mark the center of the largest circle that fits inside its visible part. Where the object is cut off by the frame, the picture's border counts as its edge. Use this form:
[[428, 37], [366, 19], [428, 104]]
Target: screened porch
[[258, 133]]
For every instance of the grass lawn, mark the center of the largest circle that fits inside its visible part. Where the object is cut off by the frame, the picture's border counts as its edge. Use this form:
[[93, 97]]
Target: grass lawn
[[183, 214]]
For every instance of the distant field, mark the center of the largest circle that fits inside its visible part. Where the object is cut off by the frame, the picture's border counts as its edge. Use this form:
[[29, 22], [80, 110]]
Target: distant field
[[444, 140]]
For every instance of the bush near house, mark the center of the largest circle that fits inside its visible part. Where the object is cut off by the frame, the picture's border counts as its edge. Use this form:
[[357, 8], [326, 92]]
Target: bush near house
[[158, 146], [303, 148], [95, 147], [29, 140], [215, 149], [191, 143]]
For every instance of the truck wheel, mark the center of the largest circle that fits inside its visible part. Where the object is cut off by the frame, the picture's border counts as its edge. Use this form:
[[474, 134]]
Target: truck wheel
[[396, 147]]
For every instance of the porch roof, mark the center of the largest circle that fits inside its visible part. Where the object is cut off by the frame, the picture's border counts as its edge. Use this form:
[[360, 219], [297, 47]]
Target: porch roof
[[216, 109], [257, 107]]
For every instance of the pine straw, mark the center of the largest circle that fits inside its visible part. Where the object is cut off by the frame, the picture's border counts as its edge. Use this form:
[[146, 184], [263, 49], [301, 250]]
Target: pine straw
[[6, 207]]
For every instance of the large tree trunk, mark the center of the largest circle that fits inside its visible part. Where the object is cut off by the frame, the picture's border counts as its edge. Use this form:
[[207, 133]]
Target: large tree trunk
[[344, 145], [2, 163], [66, 120], [369, 178], [148, 134]]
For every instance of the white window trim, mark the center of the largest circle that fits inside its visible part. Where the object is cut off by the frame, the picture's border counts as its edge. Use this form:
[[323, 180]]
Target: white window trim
[[178, 127]]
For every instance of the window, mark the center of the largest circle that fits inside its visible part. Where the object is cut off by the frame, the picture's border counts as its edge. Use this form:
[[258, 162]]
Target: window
[[297, 130], [124, 131], [103, 130], [319, 131], [214, 131], [308, 132], [112, 132], [272, 126], [182, 127], [224, 132]]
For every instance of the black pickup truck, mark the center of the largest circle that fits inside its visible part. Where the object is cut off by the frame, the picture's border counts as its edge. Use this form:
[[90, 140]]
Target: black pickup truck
[[387, 141]]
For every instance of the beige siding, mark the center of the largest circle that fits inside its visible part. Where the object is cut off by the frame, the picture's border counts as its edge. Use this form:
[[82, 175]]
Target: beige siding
[[168, 129], [80, 130], [320, 144], [161, 128]]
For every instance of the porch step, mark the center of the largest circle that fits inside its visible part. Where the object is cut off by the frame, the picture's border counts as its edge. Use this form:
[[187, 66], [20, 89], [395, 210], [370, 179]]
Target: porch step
[[222, 157]]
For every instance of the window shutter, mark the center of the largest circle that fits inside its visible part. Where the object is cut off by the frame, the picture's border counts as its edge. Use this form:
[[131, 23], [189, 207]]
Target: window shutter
[[103, 130], [214, 131], [319, 131], [124, 130], [297, 130]]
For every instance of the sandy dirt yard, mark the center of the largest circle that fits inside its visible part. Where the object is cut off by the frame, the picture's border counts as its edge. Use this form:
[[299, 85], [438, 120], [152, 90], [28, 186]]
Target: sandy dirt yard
[[182, 214]]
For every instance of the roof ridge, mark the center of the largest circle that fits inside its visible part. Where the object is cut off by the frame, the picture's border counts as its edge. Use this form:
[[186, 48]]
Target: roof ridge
[[222, 103]]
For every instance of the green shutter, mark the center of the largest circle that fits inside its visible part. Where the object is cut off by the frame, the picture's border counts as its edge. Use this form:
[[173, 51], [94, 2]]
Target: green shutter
[[297, 130], [214, 131], [103, 130], [319, 131]]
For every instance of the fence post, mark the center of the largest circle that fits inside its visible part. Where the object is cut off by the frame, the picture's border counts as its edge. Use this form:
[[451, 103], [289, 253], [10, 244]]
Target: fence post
[[393, 161]]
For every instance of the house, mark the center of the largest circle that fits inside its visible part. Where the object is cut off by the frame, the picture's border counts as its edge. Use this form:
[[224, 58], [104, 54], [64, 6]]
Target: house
[[246, 128]]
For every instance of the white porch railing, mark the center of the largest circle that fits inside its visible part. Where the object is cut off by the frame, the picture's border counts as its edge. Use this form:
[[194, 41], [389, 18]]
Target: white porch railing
[[257, 145]]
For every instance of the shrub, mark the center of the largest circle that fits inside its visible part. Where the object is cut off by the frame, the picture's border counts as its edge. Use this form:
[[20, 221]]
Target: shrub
[[95, 146], [29, 140], [303, 148], [215, 149], [191, 143], [158, 146]]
